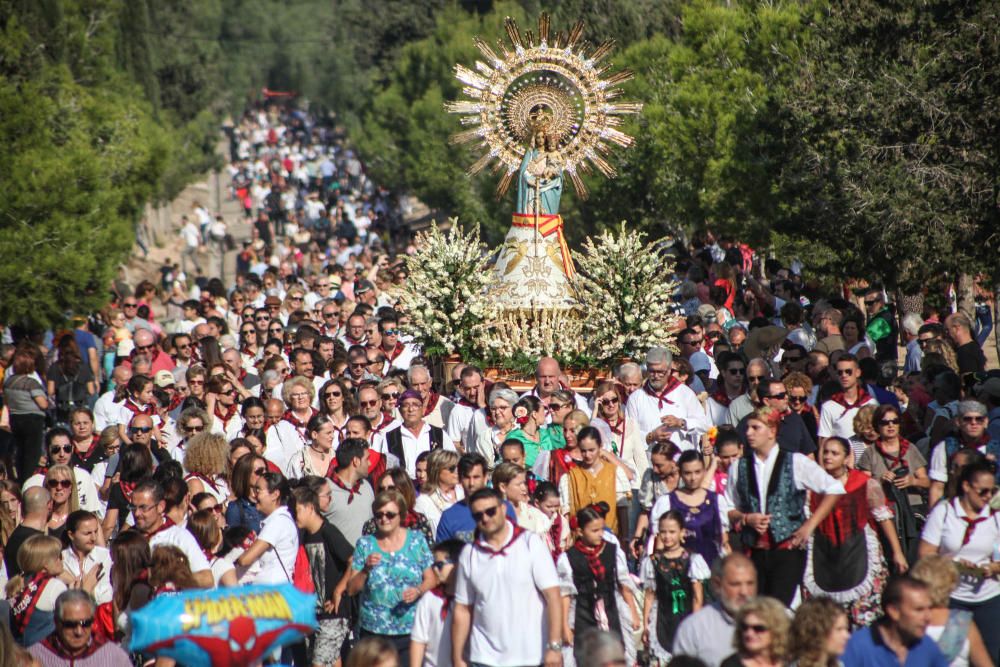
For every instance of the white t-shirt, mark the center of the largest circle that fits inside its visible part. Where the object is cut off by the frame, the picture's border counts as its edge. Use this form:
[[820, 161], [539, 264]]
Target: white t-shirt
[[102, 555], [278, 563], [835, 419], [433, 631], [647, 412], [183, 540], [509, 625], [945, 529]]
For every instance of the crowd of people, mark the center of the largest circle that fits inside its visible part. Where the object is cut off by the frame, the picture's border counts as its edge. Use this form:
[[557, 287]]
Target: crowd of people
[[785, 488]]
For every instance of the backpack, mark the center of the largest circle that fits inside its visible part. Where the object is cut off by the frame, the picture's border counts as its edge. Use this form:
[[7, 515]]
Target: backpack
[[301, 576]]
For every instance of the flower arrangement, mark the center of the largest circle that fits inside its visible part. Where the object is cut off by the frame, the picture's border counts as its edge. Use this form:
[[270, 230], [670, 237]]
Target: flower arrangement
[[625, 289], [447, 298]]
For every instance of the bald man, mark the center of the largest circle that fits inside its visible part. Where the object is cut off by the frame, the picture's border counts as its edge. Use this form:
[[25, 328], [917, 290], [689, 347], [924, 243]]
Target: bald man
[[146, 346], [37, 508], [548, 380], [734, 581], [105, 408]]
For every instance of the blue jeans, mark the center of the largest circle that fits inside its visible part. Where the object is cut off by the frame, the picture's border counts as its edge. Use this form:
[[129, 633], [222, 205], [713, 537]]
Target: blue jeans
[[984, 323]]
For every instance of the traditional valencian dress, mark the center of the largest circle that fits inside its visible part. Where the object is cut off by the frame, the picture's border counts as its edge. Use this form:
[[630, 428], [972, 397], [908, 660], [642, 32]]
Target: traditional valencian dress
[[845, 561]]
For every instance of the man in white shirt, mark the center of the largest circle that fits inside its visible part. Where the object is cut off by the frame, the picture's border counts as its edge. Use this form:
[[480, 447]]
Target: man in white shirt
[[547, 374], [437, 408], [415, 435], [507, 603], [664, 408], [472, 397], [972, 434], [767, 491], [148, 510], [397, 353], [836, 417]]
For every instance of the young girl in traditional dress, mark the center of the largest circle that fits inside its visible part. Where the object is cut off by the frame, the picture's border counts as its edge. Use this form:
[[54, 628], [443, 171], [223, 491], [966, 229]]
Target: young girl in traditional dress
[[596, 587], [671, 579]]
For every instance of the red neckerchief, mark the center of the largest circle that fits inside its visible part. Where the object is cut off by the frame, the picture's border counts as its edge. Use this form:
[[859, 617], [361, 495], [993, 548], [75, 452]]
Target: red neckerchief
[[841, 400], [149, 410], [894, 460], [432, 401], [593, 556], [555, 534], [353, 342], [970, 527], [661, 397], [446, 599], [23, 605], [721, 397], [175, 402], [385, 421], [352, 491], [617, 429], [127, 489], [53, 643], [341, 430], [502, 551], [205, 480], [982, 441], [225, 417], [412, 519], [90, 450], [290, 417], [167, 523], [394, 354], [462, 400], [41, 470]]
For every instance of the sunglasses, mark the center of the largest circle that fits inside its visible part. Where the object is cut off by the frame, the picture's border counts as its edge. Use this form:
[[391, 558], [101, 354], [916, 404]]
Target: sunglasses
[[65, 449], [889, 422], [736, 371], [262, 319], [845, 372], [187, 345], [755, 378], [923, 341], [609, 401], [333, 394], [195, 429], [328, 315], [984, 493], [792, 360], [58, 483], [781, 395], [753, 627], [85, 623], [390, 332], [259, 471], [390, 397], [144, 347], [440, 564], [870, 303], [713, 335], [973, 419], [387, 516], [488, 512], [140, 429], [215, 508], [558, 406], [368, 404], [130, 305]]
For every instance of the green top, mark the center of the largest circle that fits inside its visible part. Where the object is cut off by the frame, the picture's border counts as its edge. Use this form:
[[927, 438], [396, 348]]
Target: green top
[[551, 437]]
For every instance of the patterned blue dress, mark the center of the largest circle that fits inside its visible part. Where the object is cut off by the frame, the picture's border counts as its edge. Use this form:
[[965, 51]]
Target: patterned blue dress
[[382, 608]]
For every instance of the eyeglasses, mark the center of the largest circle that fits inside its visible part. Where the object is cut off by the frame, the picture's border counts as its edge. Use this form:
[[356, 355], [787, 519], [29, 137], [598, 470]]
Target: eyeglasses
[[440, 564], [609, 401], [973, 419], [328, 315], [845, 372], [385, 516], [654, 371], [130, 305], [736, 371], [923, 341], [261, 318], [557, 406], [140, 429], [333, 394], [295, 298], [144, 347], [713, 335], [260, 471], [889, 422], [753, 627], [215, 508], [297, 396], [65, 449], [755, 378], [796, 399], [59, 483], [195, 429], [390, 397], [368, 404], [984, 493], [781, 395], [390, 332], [82, 624], [248, 332], [453, 468], [488, 512]]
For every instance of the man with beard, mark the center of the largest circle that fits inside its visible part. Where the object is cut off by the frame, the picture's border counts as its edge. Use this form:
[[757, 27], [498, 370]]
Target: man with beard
[[664, 408]]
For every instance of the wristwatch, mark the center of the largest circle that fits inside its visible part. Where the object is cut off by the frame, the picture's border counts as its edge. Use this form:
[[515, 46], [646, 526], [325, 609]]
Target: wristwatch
[[554, 646]]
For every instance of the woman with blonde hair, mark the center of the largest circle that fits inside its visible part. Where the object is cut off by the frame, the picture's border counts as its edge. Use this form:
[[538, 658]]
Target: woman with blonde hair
[[952, 629], [511, 480], [206, 461], [442, 489], [10, 509], [819, 634], [33, 593], [60, 480], [865, 434], [290, 434], [761, 637]]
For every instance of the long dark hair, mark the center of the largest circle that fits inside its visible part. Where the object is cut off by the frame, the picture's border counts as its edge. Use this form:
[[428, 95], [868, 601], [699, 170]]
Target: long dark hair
[[130, 554], [69, 355]]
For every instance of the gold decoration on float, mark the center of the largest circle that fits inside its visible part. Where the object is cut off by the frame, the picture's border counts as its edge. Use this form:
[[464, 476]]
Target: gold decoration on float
[[556, 75]]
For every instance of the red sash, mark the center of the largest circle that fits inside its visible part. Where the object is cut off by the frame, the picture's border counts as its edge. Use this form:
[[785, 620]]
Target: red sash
[[502, 551], [547, 226], [23, 605]]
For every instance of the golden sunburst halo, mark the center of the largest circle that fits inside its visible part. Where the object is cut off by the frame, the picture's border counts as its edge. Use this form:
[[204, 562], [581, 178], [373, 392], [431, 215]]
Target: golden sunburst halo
[[559, 74]]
